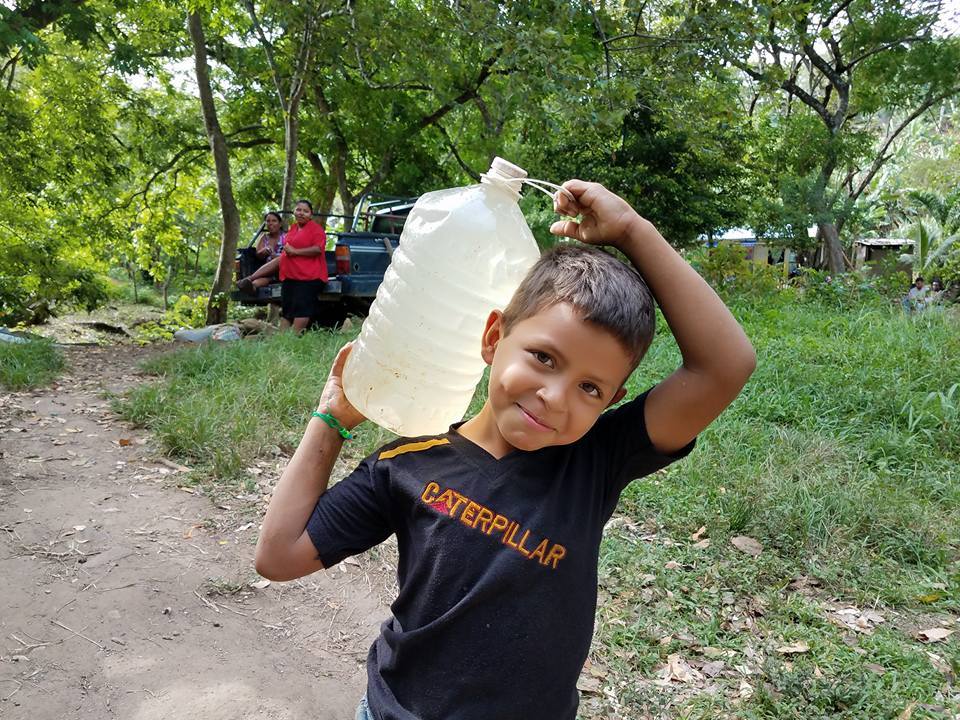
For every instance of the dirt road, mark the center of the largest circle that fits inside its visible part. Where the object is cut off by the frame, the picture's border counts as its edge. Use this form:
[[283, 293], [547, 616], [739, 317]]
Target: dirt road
[[127, 596]]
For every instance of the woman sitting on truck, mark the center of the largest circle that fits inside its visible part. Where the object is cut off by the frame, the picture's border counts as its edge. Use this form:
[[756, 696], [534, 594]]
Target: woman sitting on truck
[[268, 249]]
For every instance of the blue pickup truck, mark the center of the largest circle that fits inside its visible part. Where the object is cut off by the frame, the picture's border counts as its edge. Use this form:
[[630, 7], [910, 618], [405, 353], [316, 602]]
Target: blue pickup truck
[[355, 266]]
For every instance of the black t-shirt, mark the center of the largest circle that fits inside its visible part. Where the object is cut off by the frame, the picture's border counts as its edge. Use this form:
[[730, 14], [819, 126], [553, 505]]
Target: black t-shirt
[[497, 569]]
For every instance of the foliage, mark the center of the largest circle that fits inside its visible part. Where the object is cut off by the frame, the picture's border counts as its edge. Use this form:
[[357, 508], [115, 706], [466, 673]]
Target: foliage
[[849, 76], [935, 229], [187, 312], [727, 269], [28, 365]]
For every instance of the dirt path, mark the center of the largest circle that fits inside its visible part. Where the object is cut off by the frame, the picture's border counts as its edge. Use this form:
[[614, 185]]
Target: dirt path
[[124, 596]]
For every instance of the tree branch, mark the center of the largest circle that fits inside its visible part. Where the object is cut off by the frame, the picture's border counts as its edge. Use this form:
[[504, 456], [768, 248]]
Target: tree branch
[[453, 149], [823, 66], [268, 51], [883, 47], [790, 86], [929, 102]]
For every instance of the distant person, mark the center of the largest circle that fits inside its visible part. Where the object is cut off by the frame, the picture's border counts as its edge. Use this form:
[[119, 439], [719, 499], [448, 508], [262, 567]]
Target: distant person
[[499, 520], [916, 296], [936, 292], [269, 247], [303, 268]]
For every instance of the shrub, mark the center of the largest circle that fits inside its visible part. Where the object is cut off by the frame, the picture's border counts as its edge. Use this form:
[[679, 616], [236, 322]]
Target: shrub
[[727, 269], [186, 312]]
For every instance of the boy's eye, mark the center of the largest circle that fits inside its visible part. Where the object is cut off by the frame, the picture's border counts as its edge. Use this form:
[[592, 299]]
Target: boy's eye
[[591, 389], [542, 357]]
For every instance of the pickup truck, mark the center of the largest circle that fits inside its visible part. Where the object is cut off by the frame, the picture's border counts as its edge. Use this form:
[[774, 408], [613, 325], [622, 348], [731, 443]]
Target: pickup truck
[[355, 266]]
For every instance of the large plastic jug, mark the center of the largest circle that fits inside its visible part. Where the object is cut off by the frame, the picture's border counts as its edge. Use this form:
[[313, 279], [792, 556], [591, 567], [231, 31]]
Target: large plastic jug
[[463, 252]]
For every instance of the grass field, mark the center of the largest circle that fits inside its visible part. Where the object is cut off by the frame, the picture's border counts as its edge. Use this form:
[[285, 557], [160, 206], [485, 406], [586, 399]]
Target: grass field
[[28, 365], [836, 472]]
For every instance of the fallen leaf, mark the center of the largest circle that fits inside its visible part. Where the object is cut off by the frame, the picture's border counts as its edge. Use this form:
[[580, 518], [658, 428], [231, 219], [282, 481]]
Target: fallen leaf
[[794, 648], [934, 634], [747, 544], [713, 668], [931, 598], [260, 584], [703, 544], [699, 533], [874, 668], [671, 565], [124, 442], [677, 670]]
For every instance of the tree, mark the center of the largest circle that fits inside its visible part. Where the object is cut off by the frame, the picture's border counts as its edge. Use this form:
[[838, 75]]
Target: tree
[[217, 303], [866, 69]]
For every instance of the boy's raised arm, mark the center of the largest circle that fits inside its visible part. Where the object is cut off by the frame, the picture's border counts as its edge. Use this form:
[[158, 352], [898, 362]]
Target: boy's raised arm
[[717, 356], [284, 549]]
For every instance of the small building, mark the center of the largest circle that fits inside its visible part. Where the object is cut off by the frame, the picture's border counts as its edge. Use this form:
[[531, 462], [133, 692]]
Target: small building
[[872, 250]]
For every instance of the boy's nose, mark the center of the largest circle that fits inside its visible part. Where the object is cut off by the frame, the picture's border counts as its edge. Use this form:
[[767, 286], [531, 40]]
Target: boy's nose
[[552, 397]]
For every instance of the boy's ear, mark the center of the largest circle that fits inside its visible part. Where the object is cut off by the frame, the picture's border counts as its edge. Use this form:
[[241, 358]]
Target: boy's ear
[[617, 396], [492, 334]]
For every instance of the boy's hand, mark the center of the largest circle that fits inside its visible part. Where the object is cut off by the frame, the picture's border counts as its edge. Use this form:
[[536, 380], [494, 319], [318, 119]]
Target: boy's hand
[[606, 218], [332, 399]]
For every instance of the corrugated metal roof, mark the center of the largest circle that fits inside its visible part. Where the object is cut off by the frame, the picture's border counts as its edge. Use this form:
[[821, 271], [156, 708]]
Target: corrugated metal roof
[[884, 242]]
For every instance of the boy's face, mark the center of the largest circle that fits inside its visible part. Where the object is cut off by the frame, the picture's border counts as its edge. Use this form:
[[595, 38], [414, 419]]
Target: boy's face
[[551, 376]]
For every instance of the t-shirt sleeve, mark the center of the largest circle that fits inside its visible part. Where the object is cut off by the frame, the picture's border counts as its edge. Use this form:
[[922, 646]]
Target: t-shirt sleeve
[[351, 516], [623, 446]]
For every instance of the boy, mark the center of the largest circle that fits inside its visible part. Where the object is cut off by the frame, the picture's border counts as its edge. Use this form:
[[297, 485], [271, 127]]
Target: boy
[[499, 521]]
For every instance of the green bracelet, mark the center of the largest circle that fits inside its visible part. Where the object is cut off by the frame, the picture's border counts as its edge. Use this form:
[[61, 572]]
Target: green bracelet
[[334, 423]]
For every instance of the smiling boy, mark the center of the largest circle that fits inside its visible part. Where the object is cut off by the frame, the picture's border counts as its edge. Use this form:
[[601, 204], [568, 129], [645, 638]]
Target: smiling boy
[[499, 520]]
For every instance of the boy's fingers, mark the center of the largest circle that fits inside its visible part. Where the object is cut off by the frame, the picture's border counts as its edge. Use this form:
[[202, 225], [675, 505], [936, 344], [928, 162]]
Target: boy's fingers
[[566, 228], [341, 359]]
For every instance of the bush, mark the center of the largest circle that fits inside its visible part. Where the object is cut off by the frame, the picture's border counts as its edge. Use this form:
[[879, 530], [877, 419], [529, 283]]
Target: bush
[[727, 269], [30, 364], [186, 312], [848, 291]]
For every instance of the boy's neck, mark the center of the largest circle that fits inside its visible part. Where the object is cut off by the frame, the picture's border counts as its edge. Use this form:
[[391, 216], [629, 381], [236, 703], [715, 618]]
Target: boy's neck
[[482, 430]]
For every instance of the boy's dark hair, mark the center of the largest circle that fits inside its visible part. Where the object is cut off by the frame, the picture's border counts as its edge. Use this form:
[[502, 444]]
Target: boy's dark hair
[[604, 291]]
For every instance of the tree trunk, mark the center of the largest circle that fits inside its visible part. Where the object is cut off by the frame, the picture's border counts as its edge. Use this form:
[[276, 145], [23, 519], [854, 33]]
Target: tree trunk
[[832, 252], [217, 302], [291, 138]]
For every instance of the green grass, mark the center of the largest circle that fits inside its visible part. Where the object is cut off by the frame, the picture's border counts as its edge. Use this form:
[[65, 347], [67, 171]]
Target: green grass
[[28, 365], [220, 406], [840, 457]]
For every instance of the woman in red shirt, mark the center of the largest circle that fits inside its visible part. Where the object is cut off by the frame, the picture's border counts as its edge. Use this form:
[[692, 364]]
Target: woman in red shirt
[[303, 268]]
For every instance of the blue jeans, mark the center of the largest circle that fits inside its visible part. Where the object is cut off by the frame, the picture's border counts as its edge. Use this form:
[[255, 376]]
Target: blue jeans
[[363, 710]]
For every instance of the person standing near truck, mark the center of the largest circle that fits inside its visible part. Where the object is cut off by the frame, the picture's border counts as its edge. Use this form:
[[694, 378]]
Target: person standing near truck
[[303, 269]]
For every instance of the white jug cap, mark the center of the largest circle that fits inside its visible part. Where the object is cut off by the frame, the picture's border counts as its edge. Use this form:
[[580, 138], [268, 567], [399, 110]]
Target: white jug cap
[[507, 169]]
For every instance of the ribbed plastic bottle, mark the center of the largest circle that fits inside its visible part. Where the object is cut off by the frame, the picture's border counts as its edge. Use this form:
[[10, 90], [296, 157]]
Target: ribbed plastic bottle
[[463, 252]]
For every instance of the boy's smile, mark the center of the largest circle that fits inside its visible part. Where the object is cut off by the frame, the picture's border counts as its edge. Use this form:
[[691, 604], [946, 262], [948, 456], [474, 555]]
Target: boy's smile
[[550, 378]]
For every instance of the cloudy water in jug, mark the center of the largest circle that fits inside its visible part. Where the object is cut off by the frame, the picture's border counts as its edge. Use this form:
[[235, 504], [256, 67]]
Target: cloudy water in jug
[[463, 252]]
